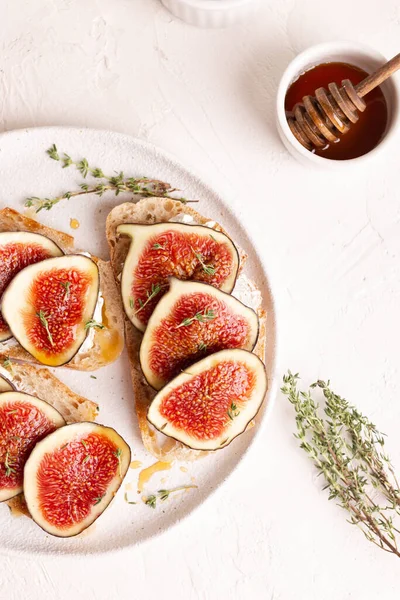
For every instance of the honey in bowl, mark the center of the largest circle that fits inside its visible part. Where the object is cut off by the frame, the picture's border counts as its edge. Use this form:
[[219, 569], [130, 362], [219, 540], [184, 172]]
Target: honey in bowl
[[363, 135]]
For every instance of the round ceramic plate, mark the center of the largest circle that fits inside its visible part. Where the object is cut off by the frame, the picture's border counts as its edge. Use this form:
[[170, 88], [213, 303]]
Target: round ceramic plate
[[26, 170]]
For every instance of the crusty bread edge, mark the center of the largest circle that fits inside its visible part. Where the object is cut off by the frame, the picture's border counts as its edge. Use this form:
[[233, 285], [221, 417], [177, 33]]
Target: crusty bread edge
[[95, 357], [148, 211]]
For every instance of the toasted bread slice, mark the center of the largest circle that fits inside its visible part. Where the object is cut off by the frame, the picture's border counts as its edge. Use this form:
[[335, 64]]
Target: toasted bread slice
[[107, 344], [159, 210], [41, 383]]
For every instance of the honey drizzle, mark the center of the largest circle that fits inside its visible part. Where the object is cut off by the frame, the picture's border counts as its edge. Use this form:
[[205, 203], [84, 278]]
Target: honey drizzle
[[146, 474]]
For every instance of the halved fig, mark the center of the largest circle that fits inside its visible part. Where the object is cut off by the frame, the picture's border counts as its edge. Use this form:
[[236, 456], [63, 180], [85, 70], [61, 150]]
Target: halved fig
[[190, 322], [160, 251], [24, 420], [18, 249], [72, 475], [49, 307], [211, 403]]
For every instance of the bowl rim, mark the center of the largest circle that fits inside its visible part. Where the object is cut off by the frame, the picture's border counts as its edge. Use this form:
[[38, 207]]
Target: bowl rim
[[214, 5], [297, 66]]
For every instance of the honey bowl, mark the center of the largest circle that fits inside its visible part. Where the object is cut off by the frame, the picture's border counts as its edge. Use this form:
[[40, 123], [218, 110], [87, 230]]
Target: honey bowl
[[357, 55]]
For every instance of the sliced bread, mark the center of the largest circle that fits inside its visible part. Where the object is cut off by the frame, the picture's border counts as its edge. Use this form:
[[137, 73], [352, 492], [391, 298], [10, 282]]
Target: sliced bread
[[106, 344], [148, 211]]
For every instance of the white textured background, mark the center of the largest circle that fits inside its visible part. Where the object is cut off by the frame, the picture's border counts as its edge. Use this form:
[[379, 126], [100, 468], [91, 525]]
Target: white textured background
[[333, 250]]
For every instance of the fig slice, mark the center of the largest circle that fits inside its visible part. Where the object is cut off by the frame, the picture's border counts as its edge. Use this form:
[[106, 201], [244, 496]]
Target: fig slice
[[18, 249], [72, 475], [213, 401], [160, 251], [49, 307], [24, 420], [190, 322]]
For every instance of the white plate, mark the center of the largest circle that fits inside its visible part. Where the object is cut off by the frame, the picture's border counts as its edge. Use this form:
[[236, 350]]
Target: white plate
[[25, 170]]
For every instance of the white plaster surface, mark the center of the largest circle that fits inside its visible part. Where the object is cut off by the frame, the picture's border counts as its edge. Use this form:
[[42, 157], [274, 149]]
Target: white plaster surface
[[332, 248]]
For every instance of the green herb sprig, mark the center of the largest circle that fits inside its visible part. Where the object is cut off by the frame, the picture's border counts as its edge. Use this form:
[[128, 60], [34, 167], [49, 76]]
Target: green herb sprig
[[348, 451], [155, 289], [43, 318], [9, 464], [7, 364], [208, 269], [202, 317], [163, 495], [137, 186], [233, 411], [95, 324], [67, 287]]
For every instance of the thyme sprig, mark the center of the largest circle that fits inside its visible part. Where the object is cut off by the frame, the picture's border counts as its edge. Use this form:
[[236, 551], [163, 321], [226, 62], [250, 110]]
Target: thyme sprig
[[208, 269], [155, 289], [137, 186], [348, 451], [43, 318], [95, 324], [7, 364], [9, 464], [233, 411], [67, 287], [163, 495], [203, 317]]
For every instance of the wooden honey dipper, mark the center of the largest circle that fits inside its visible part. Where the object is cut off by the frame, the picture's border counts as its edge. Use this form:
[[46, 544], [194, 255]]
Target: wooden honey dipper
[[318, 120]]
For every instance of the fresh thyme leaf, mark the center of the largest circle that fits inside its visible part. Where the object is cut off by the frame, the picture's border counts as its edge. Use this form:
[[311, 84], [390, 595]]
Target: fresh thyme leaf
[[93, 377], [9, 464], [208, 269], [127, 500], [43, 317], [131, 303], [347, 449], [151, 501], [66, 161], [53, 152], [213, 238], [203, 317], [98, 173], [84, 444], [137, 186], [158, 247], [67, 286], [87, 457], [98, 500], [7, 364], [12, 412], [202, 346], [163, 495], [93, 323], [233, 411], [83, 167], [155, 289]]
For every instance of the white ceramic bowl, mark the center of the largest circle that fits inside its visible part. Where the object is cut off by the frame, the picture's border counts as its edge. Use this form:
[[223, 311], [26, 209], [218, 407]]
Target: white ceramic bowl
[[359, 55], [212, 13]]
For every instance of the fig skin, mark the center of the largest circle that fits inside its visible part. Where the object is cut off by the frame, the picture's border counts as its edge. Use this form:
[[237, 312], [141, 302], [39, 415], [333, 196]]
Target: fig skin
[[159, 422], [14, 321], [138, 246], [28, 239], [52, 443], [51, 414], [6, 385], [179, 289]]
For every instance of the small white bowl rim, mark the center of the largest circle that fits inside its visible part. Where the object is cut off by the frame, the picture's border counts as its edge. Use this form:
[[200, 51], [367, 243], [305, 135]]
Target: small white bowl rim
[[214, 4], [289, 75]]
